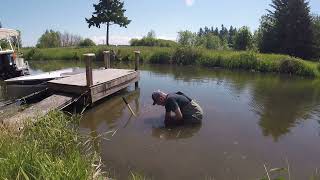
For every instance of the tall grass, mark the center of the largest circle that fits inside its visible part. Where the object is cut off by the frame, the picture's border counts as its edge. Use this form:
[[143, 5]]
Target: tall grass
[[245, 60], [48, 149]]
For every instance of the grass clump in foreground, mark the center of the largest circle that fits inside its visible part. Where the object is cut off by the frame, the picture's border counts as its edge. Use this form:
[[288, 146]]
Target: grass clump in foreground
[[49, 149]]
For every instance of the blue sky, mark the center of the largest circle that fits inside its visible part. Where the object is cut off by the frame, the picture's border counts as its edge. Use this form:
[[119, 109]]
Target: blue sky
[[166, 17]]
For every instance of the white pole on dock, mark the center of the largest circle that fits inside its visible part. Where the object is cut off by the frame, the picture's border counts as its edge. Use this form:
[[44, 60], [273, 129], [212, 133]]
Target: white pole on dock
[[88, 59], [106, 55]]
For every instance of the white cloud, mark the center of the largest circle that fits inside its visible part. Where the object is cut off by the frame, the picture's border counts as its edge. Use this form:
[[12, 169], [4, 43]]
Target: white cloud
[[189, 2]]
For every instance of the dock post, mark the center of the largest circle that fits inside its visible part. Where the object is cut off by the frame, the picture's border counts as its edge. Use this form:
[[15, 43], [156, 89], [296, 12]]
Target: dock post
[[106, 55], [88, 59], [136, 66]]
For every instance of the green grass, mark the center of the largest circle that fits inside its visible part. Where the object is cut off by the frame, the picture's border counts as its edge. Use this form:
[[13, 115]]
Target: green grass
[[246, 60], [49, 149]]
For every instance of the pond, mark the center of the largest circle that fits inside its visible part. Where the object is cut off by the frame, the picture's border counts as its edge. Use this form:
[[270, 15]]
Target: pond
[[250, 120]]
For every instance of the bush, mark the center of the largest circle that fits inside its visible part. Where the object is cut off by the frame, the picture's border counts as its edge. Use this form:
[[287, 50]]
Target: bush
[[86, 42], [186, 55], [161, 57], [149, 41], [294, 66]]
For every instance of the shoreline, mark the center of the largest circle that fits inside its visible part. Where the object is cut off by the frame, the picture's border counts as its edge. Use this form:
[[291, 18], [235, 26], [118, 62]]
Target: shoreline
[[243, 60]]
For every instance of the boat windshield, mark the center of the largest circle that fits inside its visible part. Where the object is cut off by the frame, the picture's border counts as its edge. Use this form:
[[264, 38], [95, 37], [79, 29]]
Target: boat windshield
[[5, 39]]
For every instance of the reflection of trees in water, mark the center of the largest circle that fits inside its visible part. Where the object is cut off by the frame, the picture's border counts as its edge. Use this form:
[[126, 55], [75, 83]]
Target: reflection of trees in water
[[53, 65], [280, 100], [281, 103]]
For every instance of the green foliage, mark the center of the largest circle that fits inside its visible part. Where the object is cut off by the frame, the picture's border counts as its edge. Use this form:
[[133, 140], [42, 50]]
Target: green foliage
[[295, 66], [187, 38], [209, 41], [247, 60], [147, 41], [287, 29], [86, 42], [243, 39], [49, 39], [186, 55], [226, 36], [161, 57], [108, 12], [4, 44], [316, 36], [48, 149]]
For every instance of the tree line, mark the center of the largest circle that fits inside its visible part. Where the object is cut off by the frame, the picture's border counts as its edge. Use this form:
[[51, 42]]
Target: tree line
[[52, 39], [288, 27], [151, 40]]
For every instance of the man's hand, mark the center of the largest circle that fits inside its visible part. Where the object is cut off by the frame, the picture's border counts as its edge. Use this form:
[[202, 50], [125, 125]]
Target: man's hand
[[174, 120]]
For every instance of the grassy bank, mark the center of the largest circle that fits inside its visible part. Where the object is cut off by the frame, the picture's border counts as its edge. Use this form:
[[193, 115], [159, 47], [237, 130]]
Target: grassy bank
[[50, 149], [245, 60]]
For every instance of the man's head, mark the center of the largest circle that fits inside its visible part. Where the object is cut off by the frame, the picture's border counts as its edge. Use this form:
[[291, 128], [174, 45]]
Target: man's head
[[159, 98]]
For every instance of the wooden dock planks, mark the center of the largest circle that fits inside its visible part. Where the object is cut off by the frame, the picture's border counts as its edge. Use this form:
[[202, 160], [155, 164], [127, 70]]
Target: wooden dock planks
[[54, 102], [105, 82]]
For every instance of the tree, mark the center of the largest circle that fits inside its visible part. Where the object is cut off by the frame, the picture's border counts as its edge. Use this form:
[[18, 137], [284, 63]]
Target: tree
[[243, 39], [232, 34], [49, 39], [68, 39], [86, 42], [287, 28], [0, 24], [151, 34], [186, 38], [316, 35], [108, 12]]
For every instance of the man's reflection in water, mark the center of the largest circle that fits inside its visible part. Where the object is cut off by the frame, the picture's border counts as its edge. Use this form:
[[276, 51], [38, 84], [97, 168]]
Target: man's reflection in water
[[181, 132]]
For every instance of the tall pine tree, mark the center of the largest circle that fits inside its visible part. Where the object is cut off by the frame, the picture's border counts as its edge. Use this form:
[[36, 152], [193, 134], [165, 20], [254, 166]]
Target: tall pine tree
[[108, 12], [287, 28]]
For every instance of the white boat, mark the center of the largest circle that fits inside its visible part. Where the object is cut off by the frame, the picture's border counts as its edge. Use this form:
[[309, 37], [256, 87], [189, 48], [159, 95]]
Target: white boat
[[11, 63], [25, 85]]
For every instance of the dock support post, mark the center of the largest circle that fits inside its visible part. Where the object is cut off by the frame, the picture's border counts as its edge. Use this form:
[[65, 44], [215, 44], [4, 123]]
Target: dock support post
[[136, 67], [106, 55], [88, 59]]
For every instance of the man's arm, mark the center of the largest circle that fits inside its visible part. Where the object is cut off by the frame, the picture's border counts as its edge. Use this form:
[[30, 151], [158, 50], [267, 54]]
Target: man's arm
[[177, 117]]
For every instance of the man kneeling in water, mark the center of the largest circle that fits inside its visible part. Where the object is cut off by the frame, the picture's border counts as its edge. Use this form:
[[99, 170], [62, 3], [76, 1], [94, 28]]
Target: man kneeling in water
[[186, 110]]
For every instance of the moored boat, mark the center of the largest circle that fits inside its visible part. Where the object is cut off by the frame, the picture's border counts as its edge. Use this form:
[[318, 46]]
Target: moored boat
[[11, 63], [25, 85]]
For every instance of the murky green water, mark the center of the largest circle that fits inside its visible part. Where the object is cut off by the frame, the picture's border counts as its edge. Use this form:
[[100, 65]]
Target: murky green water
[[250, 120]]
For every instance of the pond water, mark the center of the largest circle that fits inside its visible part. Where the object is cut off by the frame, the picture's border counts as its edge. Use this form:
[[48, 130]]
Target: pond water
[[250, 120]]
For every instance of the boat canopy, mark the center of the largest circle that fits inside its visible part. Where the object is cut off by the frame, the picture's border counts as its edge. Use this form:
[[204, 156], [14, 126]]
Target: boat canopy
[[5, 33]]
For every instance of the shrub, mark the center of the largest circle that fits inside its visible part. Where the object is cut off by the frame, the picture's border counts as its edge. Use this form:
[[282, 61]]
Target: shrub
[[86, 42], [294, 66], [186, 55], [161, 57]]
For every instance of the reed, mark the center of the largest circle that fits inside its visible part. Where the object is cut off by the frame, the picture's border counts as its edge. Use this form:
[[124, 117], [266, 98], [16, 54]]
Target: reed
[[49, 149], [245, 60]]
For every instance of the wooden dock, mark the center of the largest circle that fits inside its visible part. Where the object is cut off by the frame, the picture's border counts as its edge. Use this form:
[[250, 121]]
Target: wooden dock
[[93, 85], [105, 82], [97, 84], [54, 102]]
